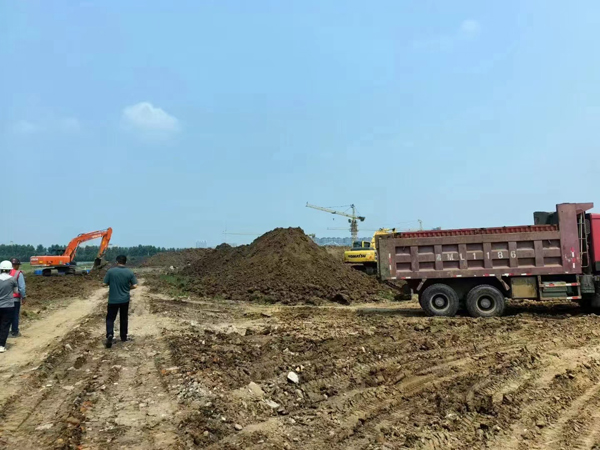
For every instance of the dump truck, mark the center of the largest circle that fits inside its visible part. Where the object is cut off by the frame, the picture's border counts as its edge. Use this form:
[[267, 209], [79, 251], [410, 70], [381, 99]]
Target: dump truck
[[556, 258]]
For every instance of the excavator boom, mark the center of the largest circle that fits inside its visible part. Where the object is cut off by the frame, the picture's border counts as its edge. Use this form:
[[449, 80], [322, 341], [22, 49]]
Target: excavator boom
[[71, 249]]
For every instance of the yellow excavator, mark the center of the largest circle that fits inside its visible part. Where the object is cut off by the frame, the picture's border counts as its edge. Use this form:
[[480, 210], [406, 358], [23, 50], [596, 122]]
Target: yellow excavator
[[363, 254]]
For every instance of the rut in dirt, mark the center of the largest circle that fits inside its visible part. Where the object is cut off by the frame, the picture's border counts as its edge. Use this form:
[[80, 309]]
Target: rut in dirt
[[83, 395]]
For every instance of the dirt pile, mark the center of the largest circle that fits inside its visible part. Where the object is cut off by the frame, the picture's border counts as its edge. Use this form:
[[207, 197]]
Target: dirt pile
[[176, 259], [283, 265], [40, 289], [337, 251]]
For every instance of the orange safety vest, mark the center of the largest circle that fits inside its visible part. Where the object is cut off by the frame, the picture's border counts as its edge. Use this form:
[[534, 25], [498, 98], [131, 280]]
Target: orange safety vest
[[14, 273]]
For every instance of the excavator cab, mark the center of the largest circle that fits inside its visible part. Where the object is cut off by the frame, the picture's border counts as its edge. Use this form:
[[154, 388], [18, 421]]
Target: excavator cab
[[363, 254], [360, 245]]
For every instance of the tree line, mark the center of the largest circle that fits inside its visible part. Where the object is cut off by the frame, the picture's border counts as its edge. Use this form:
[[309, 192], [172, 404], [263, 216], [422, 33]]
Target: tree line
[[87, 253]]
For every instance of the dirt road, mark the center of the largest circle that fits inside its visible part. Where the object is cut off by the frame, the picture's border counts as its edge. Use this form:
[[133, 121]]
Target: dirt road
[[214, 374], [63, 389]]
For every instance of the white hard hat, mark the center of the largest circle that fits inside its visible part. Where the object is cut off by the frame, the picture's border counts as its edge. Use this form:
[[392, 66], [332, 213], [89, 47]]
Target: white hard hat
[[6, 265]]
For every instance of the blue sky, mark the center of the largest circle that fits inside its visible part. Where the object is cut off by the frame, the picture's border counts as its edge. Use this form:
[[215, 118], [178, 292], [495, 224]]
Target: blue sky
[[173, 121]]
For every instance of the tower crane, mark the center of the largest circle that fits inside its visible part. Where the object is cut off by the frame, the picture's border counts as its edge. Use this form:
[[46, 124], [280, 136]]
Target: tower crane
[[352, 218]]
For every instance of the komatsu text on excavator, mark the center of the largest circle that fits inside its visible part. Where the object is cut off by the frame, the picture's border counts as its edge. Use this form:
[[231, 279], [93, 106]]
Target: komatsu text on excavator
[[363, 254], [64, 264]]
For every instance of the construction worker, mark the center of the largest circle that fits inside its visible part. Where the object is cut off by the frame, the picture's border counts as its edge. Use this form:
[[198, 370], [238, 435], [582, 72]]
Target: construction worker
[[120, 281], [19, 296], [8, 287]]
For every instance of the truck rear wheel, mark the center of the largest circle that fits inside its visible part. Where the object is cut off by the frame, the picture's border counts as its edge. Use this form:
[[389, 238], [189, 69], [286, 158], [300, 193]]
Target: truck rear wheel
[[439, 300], [485, 301]]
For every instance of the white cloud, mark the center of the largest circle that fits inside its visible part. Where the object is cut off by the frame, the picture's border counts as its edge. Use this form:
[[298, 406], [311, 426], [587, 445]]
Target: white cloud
[[25, 127], [146, 117]]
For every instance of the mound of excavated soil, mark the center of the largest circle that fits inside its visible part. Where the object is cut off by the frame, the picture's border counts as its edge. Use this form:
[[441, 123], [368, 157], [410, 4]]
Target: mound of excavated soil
[[337, 251], [177, 259], [40, 289], [283, 265]]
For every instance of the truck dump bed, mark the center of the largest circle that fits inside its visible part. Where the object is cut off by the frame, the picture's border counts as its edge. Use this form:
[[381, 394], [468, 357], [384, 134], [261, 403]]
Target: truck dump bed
[[485, 252]]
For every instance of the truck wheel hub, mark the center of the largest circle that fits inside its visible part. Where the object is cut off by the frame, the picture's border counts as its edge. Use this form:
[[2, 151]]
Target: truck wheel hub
[[485, 303], [440, 301]]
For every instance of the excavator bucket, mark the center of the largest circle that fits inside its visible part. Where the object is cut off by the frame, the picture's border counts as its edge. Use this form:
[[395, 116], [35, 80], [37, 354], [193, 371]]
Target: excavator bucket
[[99, 264]]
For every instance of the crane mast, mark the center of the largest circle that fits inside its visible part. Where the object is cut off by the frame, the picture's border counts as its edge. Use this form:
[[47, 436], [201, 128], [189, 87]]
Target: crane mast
[[353, 219]]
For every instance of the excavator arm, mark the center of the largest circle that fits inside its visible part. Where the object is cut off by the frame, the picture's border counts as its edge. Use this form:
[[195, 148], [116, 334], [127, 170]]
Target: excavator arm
[[104, 243], [103, 248], [71, 249]]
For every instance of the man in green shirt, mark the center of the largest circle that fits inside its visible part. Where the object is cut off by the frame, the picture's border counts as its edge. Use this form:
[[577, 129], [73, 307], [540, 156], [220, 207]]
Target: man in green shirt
[[120, 281]]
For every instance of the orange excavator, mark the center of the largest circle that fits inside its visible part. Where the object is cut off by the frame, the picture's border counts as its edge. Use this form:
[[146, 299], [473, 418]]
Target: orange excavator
[[64, 264]]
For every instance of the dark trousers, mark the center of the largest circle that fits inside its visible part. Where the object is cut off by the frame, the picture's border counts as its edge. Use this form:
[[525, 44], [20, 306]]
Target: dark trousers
[[111, 315], [14, 327], [6, 317]]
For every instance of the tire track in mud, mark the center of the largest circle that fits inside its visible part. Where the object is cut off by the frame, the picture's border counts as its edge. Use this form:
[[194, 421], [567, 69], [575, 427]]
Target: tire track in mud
[[543, 414], [386, 413], [39, 415], [129, 404], [367, 404], [490, 385], [569, 430], [421, 370], [418, 383], [131, 409], [589, 434], [417, 363], [529, 393], [81, 383], [354, 408], [456, 399], [407, 360], [572, 423], [39, 339]]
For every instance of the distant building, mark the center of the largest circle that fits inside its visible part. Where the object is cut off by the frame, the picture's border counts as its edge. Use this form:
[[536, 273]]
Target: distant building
[[342, 242], [347, 241]]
